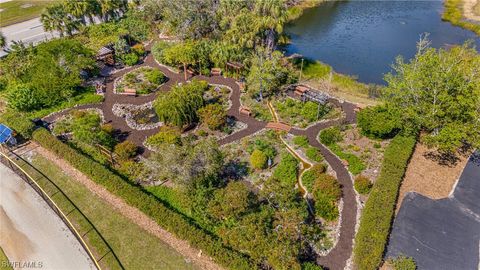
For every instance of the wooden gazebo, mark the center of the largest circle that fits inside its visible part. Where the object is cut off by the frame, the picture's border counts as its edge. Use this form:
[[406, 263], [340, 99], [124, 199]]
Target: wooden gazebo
[[106, 55]]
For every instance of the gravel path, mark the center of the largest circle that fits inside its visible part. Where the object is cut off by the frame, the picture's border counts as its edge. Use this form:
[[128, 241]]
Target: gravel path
[[337, 258], [30, 232]]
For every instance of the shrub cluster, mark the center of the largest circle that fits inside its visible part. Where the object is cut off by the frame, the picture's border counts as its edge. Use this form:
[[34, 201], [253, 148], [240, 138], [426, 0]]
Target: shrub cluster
[[286, 171], [362, 184], [330, 136], [326, 193], [403, 263], [378, 212], [314, 154], [379, 122], [136, 197], [300, 141], [258, 159]]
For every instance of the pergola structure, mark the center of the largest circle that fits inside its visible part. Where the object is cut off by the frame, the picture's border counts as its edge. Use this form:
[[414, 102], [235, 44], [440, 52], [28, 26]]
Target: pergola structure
[[106, 55], [306, 93], [235, 66]]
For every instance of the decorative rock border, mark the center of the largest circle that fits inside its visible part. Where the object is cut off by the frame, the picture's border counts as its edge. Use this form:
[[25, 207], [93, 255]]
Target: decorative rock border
[[123, 110]]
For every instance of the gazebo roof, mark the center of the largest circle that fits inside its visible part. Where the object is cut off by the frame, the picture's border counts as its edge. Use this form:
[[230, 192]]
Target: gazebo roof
[[236, 65], [104, 51]]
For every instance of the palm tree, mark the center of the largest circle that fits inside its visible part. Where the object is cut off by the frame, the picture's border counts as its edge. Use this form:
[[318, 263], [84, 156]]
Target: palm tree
[[112, 8], [56, 18], [273, 15], [77, 9]]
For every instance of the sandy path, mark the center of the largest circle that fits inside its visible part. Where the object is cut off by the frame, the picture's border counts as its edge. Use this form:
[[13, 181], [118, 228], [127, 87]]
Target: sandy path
[[30, 232], [134, 214]]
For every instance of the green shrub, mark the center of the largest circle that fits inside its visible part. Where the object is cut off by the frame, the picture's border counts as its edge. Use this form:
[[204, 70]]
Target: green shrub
[[309, 177], [258, 159], [326, 193], [363, 184], [311, 266], [377, 215], [301, 141], [213, 115], [18, 122], [167, 135], [330, 136], [148, 204], [314, 154], [125, 150], [286, 171], [403, 263], [355, 164], [379, 122], [130, 59], [155, 76]]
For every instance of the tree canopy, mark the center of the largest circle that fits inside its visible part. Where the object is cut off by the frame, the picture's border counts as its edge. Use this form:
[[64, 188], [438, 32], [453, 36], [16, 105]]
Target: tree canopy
[[438, 91]]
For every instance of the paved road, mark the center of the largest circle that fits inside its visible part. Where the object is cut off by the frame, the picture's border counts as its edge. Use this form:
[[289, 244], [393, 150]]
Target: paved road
[[30, 232], [441, 234], [30, 31]]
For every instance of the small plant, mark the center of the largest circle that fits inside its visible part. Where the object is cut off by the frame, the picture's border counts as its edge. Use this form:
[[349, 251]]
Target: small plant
[[301, 141], [130, 59], [314, 154], [258, 159], [330, 136], [377, 145], [403, 263], [125, 150], [167, 135], [326, 193], [363, 185], [311, 266]]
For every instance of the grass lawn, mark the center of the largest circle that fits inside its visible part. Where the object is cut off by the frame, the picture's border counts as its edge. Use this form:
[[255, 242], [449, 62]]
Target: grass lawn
[[4, 264], [135, 248], [16, 11]]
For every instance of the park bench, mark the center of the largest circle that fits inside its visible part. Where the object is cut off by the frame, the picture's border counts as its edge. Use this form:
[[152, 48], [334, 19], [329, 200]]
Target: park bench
[[245, 111], [216, 71], [130, 92]]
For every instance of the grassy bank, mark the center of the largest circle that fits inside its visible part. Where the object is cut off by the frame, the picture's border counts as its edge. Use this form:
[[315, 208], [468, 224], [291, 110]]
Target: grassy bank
[[135, 248], [16, 11], [453, 14], [322, 76], [376, 219]]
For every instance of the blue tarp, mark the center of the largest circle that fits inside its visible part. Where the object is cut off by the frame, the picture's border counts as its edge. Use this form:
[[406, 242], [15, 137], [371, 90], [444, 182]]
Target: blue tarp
[[5, 133]]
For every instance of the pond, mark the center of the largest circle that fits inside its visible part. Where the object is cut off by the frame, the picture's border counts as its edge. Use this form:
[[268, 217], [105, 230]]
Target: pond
[[362, 38]]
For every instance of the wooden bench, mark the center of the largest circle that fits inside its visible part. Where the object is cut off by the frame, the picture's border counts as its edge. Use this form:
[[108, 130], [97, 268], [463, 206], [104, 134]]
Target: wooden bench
[[279, 126], [216, 72], [245, 111], [130, 92]]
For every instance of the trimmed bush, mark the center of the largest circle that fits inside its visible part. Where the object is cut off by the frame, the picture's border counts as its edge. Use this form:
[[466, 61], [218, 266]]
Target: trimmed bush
[[167, 135], [301, 141], [379, 122], [258, 159], [125, 150], [286, 171], [377, 215], [363, 184], [130, 59], [326, 193], [314, 154], [403, 263], [330, 136], [311, 266], [133, 195]]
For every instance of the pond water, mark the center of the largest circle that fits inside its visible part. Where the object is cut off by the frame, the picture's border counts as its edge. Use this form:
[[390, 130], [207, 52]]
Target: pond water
[[362, 38]]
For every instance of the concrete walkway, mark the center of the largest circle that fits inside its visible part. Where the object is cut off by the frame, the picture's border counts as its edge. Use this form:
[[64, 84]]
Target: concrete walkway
[[31, 233]]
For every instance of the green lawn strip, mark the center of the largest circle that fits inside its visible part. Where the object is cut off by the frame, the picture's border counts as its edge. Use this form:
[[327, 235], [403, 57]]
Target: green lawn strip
[[355, 164], [16, 11], [453, 14], [133, 195], [4, 263], [135, 248], [376, 219]]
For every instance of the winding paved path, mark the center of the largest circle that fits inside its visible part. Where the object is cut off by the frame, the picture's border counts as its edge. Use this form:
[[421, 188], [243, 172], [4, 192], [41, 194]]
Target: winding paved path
[[338, 256]]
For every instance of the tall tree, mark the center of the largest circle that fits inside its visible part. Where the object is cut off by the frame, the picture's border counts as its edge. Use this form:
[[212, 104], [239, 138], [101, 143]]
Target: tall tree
[[273, 15], [183, 53], [56, 18], [438, 91], [3, 41]]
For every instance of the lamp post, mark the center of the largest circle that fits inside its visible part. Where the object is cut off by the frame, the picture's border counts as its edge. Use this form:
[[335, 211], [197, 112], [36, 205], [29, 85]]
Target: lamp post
[[301, 70]]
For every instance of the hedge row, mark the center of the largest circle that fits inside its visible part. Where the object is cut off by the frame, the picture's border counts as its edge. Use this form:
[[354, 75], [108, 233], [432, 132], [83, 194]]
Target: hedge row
[[134, 196], [378, 212]]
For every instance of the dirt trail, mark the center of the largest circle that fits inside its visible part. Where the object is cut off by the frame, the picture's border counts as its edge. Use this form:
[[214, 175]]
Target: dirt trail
[[142, 220]]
